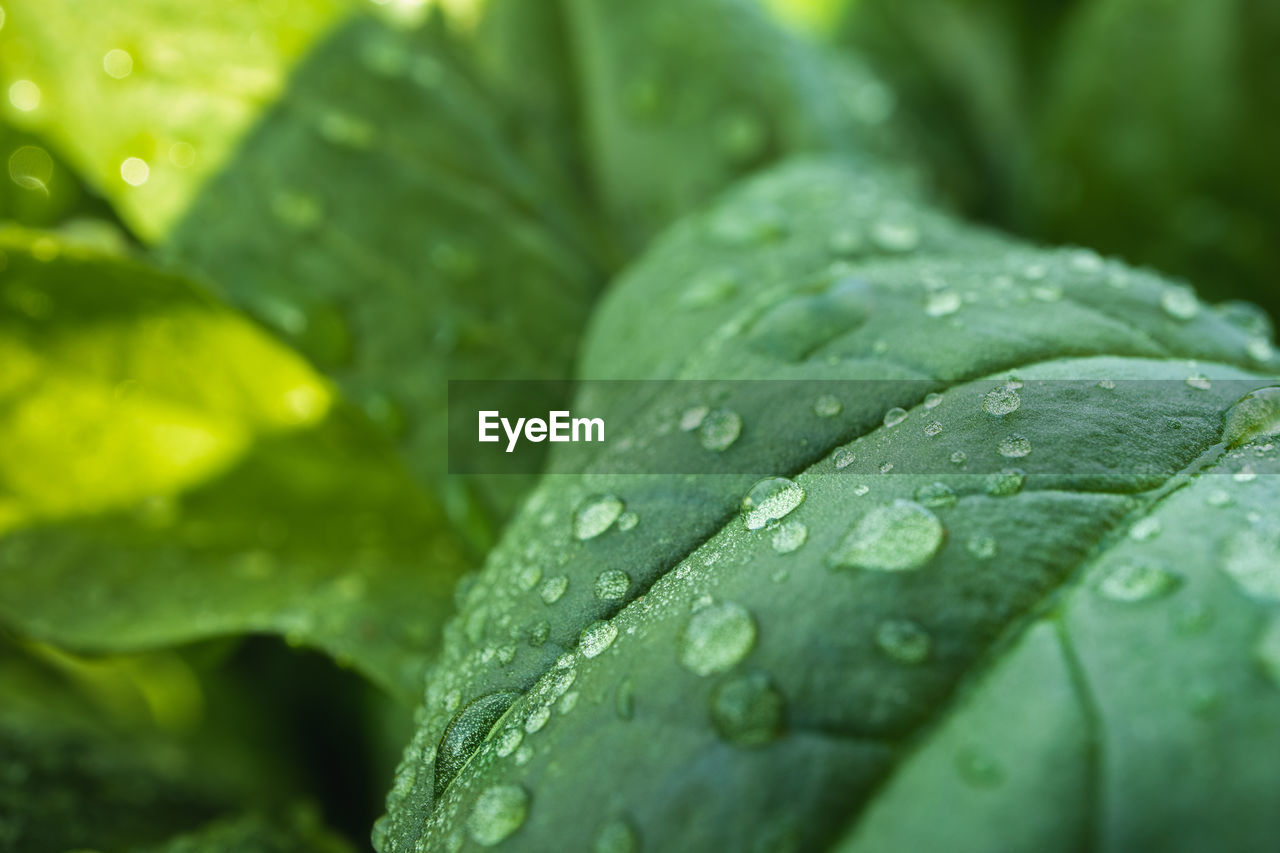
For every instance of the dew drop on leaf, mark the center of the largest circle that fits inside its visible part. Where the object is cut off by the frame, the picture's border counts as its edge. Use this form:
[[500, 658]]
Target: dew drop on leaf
[[627, 521], [508, 742], [612, 585], [903, 641], [1255, 415], [1252, 560], [597, 637], [935, 495], [595, 515], [1199, 381], [932, 401], [1003, 483], [1180, 303], [616, 836], [827, 406], [895, 416], [843, 457], [719, 430], [845, 242], [982, 546], [942, 303], [895, 235], [498, 812], [1014, 447], [716, 638], [789, 536], [933, 428], [747, 710], [769, 500], [1138, 582], [465, 732], [624, 699], [959, 457], [553, 588], [901, 536], [1001, 401]]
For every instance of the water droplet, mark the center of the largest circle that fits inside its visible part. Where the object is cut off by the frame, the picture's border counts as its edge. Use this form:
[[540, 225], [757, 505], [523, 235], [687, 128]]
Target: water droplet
[[692, 418], [789, 536], [624, 700], [134, 171], [711, 288], [539, 633], [800, 325], [827, 406], [1260, 349], [597, 637], [959, 457], [747, 710], [1014, 447], [1005, 482], [903, 641], [1255, 415], [117, 63], [942, 303], [612, 585], [617, 836], [1138, 582], [933, 428], [932, 401], [596, 514], [537, 719], [861, 489], [845, 242], [497, 814], [769, 500], [936, 495], [1199, 381], [843, 457], [465, 732], [1219, 498], [894, 416], [1145, 529], [982, 546], [24, 95], [901, 536], [1267, 651], [627, 521], [741, 228], [719, 430], [528, 577], [895, 235], [1001, 401], [1253, 561], [553, 588], [1180, 302], [886, 467], [978, 769], [508, 742], [717, 638]]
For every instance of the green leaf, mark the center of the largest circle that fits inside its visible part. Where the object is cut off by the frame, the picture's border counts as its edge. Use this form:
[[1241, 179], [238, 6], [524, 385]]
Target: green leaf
[[170, 473], [935, 634], [379, 219], [149, 101]]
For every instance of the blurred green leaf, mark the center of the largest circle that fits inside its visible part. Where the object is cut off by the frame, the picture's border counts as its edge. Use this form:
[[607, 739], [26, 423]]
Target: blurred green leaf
[[169, 473], [147, 99], [857, 668], [379, 219]]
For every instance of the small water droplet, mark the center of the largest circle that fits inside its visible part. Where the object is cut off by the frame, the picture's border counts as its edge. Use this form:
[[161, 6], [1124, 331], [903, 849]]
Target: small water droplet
[[717, 638], [465, 732], [539, 633], [597, 637], [936, 495], [537, 719], [553, 588], [1180, 302], [982, 546], [770, 499], [498, 812], [1145, 529], [719, 430], [1001, 401], [843, 457], [845, 242], [1253, 561], [933, 428], [1260, 349], [692, 418], [932, 401], [1014, 447], [894, 416], [711, 288], [959, 457], [627, 521], [1254, 416], [747, 710], [624, 700], [508, 742], [1138, 582], [895, 235], [596, 514], [1005, 482], [1199, 381], [117, 63], [901, 536], [612, 585], [942, 303], [903, 641], [827, 406], [741, 228], [789, 536]]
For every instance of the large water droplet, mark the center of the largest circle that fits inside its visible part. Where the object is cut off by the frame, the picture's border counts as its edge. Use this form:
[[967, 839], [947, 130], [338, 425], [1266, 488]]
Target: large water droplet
[[747, 710], [612, 585], [1255, 415], [595, 515], [1137, 582], [498, 812], [716, 638], [1001, 401], [465, 732], [902, 536], [719, 430], [903, 641], [597, 637], [769, 500]]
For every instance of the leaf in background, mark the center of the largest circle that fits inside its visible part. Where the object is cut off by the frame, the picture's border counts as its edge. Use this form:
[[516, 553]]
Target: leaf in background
[[939, 632], [147, 99], [1030, 129], [169, 473], [76, 772], [379, 219]]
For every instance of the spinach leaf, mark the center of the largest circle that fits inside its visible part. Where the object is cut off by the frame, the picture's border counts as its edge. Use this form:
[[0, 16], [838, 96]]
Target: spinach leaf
[[813, 682], [169, 473]]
